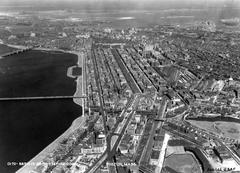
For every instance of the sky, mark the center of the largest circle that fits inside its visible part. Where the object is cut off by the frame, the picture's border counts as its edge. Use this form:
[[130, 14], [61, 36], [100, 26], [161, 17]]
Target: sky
[[121, 4], [101, 1]]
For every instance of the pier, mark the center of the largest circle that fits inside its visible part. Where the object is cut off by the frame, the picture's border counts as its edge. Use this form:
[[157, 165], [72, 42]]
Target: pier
[[40, 98]]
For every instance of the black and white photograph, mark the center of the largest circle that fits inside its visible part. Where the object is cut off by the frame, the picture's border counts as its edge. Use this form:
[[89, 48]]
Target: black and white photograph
[[119, 86]]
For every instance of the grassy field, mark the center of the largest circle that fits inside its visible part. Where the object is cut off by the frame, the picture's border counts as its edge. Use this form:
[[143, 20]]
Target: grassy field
[[184, 163], [227, 129]]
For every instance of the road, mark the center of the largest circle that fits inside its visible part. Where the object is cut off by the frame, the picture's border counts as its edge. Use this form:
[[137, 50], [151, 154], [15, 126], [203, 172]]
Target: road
[[122, 131], [162, 153], [146, 75], [99, 87], [161, 114], [116, 84], [130, 79], [107, 155], [98, 164], [84, 80]]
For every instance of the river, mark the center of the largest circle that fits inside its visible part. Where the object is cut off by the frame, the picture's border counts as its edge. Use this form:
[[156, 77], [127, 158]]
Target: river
[[27, 127]]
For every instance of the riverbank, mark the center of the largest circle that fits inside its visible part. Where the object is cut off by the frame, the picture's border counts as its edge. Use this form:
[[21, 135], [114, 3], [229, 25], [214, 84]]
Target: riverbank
[[38, 48], [5, 49], [77, 123], [31, 165], [80, 80], [16, 46]]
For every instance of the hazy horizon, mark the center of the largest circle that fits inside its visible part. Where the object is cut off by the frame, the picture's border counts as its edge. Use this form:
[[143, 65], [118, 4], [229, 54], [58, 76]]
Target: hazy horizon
[[217, 9], [121, 4]]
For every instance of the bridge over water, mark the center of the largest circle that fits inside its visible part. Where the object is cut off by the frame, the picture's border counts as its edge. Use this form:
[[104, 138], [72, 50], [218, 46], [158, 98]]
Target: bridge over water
[[40, 98], [16, 52]]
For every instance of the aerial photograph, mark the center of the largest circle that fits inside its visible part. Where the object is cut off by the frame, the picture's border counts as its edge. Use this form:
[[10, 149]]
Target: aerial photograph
[[119, 86]]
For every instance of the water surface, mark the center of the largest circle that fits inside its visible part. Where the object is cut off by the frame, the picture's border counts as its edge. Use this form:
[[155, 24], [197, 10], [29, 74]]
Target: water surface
[[26, 127]]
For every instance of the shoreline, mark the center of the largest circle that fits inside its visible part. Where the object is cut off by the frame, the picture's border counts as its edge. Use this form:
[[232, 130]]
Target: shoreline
[[16, 46], [39, 48], [77, 123]]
